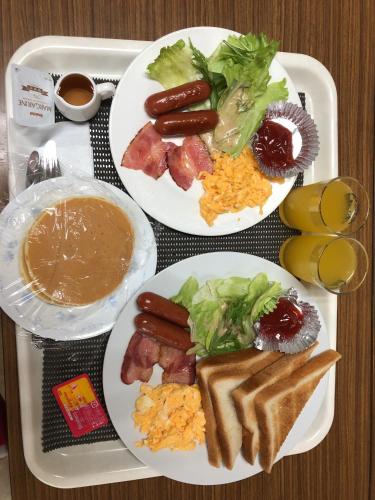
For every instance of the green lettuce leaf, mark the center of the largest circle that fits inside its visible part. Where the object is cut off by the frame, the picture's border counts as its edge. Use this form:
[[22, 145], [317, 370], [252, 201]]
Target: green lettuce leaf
[[242, 306], [253, 49], [239, 311], [216, 80], [227, 288], [244, 61], [258, 286], [222, 312], [206, 292], [266, 302], [206, 322], [233, 287], [186, 293], [227, 343], [173, 66]]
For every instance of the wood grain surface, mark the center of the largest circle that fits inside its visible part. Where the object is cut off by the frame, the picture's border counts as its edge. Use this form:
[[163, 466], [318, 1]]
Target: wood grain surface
[[341, 34]]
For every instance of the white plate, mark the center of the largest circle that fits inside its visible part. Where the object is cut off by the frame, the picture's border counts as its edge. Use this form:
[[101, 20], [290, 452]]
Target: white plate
[[163, 199], [53, 321], [193, 467]]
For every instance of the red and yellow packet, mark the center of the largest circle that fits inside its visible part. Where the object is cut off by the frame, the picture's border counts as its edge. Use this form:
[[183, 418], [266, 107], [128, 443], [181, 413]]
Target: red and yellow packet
[[80, 405]]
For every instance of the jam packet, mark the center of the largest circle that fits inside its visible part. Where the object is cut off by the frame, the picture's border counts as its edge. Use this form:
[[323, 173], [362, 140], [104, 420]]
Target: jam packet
[[80, 405], [33, 97]]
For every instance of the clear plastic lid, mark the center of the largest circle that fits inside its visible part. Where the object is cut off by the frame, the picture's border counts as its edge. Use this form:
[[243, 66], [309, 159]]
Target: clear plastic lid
[[72, 252]]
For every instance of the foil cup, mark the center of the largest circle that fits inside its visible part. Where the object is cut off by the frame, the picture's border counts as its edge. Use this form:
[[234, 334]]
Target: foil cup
[[309, 134], [306, 336]]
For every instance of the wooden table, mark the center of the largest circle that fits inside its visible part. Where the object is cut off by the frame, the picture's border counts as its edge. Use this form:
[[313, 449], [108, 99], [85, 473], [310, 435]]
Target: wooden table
[[341, 36]]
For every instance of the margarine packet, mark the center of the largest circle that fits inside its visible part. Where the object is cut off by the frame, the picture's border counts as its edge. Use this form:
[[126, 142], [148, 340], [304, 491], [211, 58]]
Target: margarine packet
[[33, 97]]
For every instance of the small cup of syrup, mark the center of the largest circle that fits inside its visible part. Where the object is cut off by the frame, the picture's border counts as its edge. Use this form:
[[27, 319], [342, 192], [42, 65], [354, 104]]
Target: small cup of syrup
[[78, 98]]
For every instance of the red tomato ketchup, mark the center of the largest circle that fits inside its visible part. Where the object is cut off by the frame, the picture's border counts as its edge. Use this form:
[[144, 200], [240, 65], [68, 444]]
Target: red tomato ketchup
[[273, 145], [282, 323]]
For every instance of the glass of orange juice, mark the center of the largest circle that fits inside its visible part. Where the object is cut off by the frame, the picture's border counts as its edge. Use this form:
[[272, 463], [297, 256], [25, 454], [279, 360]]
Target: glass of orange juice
[[339, 206], [338, 264]]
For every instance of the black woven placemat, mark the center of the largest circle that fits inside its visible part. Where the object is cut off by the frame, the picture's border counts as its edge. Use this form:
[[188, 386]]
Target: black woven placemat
[[65, 360]]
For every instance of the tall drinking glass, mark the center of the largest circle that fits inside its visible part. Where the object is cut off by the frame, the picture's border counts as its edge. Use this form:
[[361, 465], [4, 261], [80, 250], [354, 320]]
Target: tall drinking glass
[[338, 264], [339, 206]]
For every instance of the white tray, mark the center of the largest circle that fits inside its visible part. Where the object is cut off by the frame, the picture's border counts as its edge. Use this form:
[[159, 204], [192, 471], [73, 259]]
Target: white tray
[[108, 462]]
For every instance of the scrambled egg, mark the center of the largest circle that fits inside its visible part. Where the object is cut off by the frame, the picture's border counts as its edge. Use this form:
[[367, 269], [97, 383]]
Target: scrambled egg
[[235, 184], [171, 415]]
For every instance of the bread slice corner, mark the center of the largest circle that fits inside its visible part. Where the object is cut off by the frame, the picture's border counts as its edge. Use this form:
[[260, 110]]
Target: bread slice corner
[[278, 406], [217, 377], [244, 396]]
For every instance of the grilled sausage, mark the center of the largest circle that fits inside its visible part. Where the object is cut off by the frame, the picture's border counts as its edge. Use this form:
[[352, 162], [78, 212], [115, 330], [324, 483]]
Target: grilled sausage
[[163, 331], [187, 123], [163, 308], [177, 97]]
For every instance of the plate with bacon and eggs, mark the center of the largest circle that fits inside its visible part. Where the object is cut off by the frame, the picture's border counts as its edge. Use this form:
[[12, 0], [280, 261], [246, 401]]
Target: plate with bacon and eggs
[[147, 161]]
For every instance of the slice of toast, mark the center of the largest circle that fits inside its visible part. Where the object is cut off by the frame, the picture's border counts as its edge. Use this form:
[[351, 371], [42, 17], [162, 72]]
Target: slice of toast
[[229, 428], [249, 360], [278, 406], [221, 382], [244, 396]]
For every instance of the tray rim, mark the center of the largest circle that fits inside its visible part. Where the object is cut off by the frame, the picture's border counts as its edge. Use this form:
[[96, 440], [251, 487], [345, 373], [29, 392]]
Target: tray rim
[[118, 48]]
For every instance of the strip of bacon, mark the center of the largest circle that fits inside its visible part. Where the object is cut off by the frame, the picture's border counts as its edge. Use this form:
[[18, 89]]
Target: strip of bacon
[[178, 367], [142, 353], [147, 152], [186, 162]]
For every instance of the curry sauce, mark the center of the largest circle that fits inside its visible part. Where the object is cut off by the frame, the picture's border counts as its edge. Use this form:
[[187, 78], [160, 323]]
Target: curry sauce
[[78, 251]]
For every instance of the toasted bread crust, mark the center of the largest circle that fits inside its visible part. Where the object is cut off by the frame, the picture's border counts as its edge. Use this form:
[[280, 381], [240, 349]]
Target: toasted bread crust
[[278, 406], [223, 363], [235, 372], [212, 443], [227, 454], [247, 446], [243, 396], [229, 358]]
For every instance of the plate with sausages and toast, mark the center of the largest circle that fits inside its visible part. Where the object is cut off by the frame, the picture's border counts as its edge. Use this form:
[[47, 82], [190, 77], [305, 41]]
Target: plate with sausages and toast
[[201, 379]]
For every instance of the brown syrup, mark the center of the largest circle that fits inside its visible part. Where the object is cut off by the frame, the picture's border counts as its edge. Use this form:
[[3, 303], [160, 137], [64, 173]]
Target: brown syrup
[[76, 90]]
